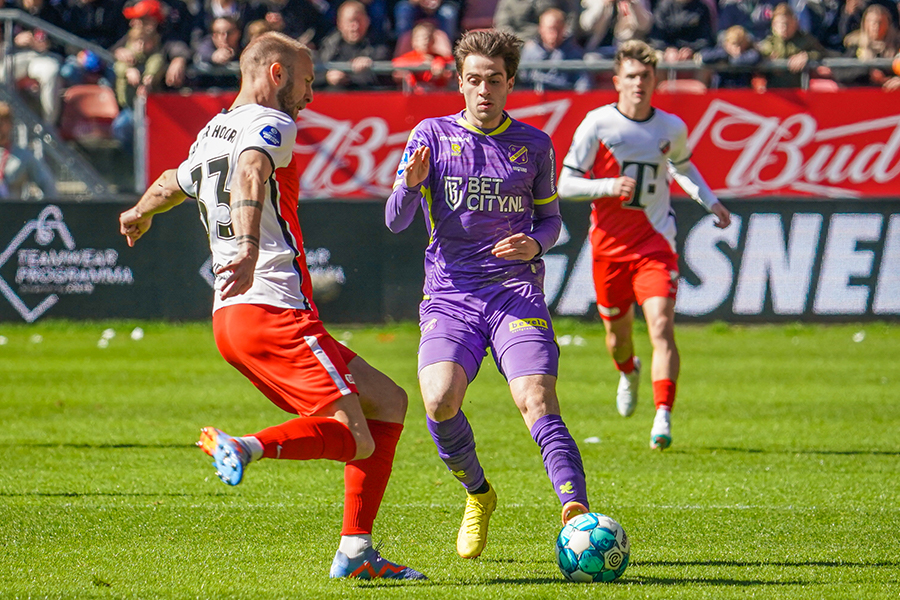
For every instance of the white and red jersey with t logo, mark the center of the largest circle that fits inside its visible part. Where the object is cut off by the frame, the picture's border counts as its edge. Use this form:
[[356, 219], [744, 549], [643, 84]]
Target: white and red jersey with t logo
[[281, 277], [608, 145]]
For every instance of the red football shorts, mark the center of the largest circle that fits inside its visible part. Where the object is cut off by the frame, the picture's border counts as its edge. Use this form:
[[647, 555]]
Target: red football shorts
[[286, 353], [619, 284]]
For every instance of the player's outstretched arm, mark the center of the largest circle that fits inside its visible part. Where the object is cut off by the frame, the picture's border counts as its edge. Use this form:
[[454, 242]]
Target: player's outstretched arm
[[248, 193], [574, 186], [163, 195], [403, 201]]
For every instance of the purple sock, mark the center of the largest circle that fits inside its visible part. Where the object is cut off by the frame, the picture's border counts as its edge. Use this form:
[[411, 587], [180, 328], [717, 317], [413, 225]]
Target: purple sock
[[562, 460], [456, 447]]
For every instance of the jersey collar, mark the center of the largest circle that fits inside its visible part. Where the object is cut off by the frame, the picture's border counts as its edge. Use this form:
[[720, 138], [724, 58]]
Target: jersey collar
[[504, 125]]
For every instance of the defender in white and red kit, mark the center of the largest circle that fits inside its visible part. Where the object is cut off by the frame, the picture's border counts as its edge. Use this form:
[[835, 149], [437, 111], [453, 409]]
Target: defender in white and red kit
[[623, 158]]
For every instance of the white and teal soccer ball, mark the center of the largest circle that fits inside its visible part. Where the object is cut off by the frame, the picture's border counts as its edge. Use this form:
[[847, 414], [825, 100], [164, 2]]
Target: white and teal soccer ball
[[592, 547]]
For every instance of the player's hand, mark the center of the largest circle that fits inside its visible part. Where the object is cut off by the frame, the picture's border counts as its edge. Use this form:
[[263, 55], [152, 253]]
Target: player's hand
[[133, 224], [417, 166], [242, 268], [516, 247], [624, 188], [723, 215]]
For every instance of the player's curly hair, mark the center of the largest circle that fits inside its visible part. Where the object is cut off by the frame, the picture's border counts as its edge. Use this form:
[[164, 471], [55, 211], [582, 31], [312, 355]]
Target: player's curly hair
[[637, 50], [492, 44]]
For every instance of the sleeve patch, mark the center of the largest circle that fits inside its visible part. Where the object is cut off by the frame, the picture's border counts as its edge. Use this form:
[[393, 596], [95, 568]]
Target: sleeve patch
[[270, 135]]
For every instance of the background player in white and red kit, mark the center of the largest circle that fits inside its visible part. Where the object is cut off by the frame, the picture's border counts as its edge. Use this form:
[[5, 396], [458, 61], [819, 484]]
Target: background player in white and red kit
[[242, 171], [623, 157]]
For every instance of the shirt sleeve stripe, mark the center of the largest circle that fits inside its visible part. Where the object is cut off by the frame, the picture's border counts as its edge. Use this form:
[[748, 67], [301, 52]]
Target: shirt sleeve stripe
[[538, 202], [184, 191], [682, 161], [264, 151], [583, 172]]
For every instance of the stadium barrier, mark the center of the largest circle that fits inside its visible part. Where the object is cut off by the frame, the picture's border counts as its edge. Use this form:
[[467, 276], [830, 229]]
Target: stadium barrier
[[783, 259]]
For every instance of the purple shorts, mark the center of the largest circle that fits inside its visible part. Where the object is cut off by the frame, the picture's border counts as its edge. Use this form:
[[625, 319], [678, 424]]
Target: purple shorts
[[510, 318]]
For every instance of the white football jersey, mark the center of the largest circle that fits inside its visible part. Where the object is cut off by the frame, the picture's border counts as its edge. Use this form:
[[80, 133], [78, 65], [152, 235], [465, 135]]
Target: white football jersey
[[281, 278], [607, 145]]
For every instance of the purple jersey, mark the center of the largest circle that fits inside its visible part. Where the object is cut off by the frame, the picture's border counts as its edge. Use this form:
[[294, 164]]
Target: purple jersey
[[481, 188]]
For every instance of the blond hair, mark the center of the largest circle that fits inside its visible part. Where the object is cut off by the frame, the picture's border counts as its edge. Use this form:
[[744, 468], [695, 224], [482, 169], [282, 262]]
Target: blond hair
[[635, 50]]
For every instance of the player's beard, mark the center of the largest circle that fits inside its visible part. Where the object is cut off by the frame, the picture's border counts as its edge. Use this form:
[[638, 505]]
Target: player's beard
[[285, 98]]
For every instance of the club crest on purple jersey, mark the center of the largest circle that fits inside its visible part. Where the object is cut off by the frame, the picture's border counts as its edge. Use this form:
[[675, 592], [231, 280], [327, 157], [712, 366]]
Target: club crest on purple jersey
[[518, 155], [664, 146], [453, 191]]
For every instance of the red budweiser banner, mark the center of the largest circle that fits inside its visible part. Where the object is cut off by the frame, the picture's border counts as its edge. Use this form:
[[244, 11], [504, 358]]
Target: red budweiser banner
[[782, 143]]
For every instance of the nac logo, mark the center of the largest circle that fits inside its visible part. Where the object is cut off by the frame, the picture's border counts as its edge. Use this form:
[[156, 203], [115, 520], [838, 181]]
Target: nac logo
[[518, 155], [453, 191], [522, 324]]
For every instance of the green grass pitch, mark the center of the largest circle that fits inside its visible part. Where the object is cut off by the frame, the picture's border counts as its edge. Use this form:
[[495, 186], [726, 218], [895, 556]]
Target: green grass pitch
[[781, 483]]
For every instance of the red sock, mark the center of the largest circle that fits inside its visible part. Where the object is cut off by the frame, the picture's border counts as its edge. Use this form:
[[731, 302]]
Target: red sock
[[664, 393], [627, 366], [308, 438], [365, 480]]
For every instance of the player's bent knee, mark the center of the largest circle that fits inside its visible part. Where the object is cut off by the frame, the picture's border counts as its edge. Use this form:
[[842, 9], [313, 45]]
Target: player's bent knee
[[365, 446]]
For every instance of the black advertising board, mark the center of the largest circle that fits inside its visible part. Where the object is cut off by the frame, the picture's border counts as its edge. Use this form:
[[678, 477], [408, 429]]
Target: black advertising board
[[781, 260]]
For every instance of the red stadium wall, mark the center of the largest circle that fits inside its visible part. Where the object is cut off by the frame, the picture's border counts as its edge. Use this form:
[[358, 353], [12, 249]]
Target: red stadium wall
[[782, 143]]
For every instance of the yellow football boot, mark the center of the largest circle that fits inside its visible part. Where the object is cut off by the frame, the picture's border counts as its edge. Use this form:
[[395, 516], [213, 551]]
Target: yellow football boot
[[472, 536]]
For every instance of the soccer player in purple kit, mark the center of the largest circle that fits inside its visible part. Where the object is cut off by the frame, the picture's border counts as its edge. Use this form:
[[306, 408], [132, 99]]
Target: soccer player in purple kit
[[487, 186]]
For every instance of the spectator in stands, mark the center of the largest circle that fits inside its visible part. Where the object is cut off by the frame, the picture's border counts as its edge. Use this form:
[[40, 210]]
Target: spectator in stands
[[552, 43], [444, 14], [97, 21], [735, 49], [19, 168], [787, 42], [424, 54], [893, 83], [824, 18], [607, 23], [217, 55], [100, 22], [682, 28], [172, 20], [305, 20], [241, 11], [143, 73], [177, 27], [851, 16], [756, 15], [256, 28], [876, 38], [351, 43], [521, 16], [36, 58]]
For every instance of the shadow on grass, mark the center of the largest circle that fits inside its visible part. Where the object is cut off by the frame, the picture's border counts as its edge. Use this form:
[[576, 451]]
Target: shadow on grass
[[738, 563], [789, 451], [715, 581]]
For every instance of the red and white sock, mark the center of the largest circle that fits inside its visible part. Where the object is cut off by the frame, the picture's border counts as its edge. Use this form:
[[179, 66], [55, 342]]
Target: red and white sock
[[664, 394], [627, 366]]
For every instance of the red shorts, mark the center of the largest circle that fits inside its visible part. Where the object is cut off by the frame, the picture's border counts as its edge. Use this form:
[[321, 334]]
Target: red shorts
[[619, 284], [286, 353]]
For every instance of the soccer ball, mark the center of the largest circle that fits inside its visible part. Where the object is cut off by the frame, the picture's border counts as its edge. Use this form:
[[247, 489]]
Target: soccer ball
[[592, 547]]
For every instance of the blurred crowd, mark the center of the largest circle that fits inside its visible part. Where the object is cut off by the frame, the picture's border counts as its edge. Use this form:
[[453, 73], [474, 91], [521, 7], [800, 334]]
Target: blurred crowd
[[175, 44]]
